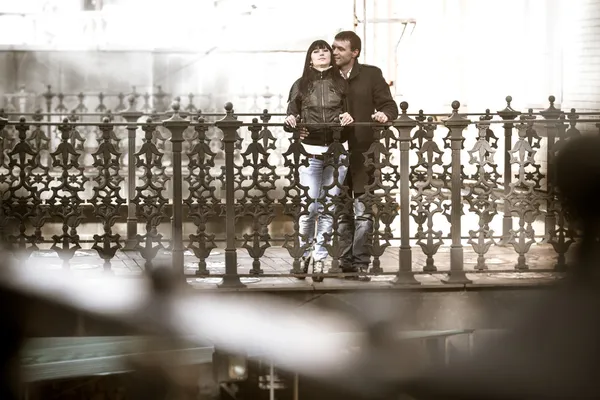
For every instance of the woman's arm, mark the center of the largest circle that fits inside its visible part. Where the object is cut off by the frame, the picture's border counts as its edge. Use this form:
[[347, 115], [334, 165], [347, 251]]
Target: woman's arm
[[294, 107], [294, 103]]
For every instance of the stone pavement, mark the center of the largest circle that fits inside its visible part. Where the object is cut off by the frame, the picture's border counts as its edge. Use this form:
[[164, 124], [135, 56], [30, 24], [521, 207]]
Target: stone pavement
[[276, 263]]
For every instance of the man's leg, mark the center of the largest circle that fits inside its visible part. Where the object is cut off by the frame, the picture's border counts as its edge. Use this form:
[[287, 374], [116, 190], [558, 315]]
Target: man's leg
[[346, 227], [363, 225], [346, 232], [361, 255]]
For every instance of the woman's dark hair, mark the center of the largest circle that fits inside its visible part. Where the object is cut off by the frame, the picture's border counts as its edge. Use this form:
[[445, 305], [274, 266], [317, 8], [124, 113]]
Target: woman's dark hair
[[308, 75]]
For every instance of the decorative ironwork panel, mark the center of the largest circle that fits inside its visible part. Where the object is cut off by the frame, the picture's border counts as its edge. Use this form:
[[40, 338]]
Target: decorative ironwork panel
[[149, 197], [39, 141], [28, 181], [258, 188], [523, 201], [295, 203], [65, 201], [428, 199], [202, 202], [107, 198], [532, 170], [380, 199], [7, 142], [492, 140], [61, 108], [482, 196], [160, 138], [335, 200], [76, 139]]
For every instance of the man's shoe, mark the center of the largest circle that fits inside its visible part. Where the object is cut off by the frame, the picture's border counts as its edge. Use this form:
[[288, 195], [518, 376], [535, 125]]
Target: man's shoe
[[359, 277]]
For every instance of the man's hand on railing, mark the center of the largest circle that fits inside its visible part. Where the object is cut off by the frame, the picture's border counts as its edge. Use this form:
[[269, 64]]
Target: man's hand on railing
[[379, 117], [346, 119]]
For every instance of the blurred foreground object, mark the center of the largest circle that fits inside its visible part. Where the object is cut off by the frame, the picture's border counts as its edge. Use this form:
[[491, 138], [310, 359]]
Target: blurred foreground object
[[554, 351], [261, 325]]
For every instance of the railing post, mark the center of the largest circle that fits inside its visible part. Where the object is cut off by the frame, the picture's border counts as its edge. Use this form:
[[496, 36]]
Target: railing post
[[229, 125], [551, 113], [508, 114], [49, 95], [131, 115], [404, 124], [456, 124], [3, 215], [176, 125]]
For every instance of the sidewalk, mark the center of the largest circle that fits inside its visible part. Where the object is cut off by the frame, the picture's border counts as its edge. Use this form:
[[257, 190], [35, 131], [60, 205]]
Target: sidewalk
[[500, 260]]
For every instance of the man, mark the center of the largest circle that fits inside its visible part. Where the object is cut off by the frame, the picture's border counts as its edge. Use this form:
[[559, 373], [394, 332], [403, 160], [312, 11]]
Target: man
[[369, 100]]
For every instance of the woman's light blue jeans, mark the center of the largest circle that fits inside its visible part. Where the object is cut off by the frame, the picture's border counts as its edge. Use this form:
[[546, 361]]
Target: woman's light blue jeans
[[318, 178]]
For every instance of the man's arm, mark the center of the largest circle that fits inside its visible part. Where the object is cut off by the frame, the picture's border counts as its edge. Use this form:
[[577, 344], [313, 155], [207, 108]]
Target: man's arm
[[382, 96]]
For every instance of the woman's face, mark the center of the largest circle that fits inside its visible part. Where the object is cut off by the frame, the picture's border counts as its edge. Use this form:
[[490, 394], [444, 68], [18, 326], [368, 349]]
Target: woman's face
[[321, 58]]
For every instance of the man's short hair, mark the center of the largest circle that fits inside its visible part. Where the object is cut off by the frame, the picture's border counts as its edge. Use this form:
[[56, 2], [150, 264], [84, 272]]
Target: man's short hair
[[352, 37]]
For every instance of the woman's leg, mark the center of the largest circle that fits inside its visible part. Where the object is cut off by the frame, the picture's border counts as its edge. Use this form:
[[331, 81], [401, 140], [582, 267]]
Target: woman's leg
[[311, 177], [329, 190]]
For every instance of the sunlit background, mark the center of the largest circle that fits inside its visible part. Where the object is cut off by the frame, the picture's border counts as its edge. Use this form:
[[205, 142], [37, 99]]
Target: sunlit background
[[431, 52]]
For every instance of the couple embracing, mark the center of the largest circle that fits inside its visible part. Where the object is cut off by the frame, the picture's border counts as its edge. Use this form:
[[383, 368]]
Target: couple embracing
[[335, 87]]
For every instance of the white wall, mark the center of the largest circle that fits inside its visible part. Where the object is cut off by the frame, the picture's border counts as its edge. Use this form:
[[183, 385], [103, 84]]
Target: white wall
[[474, 51], [581, 40]]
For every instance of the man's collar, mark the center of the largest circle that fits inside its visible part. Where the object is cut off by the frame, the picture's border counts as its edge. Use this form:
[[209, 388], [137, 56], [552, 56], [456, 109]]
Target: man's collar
[[354, 70], [347, 74]]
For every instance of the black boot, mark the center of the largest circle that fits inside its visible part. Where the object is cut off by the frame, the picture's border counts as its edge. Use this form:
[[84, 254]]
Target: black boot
[[361, 272]]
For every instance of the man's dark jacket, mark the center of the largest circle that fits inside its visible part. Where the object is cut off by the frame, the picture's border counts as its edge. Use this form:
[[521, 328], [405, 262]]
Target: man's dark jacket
[[369, 92]]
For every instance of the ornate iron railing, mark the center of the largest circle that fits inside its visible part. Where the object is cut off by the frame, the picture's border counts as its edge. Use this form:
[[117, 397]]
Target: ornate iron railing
[[439, 178]]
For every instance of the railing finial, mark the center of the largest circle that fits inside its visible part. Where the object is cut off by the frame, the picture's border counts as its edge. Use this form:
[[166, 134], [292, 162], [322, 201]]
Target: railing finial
[[551, 112], [455, 119], [455, 106], [229, 108], [508, 113], [404, 107], [38, 115], [176, 117]]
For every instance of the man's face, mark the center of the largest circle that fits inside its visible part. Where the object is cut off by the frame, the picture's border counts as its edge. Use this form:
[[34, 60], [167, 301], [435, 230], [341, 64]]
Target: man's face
[[342, 54]]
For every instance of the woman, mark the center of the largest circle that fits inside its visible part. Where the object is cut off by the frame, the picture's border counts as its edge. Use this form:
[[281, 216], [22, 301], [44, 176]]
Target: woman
[[319, 96]]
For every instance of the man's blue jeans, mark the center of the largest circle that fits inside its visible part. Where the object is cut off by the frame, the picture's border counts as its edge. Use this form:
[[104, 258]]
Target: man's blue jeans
[[317, 177], [354, 229]]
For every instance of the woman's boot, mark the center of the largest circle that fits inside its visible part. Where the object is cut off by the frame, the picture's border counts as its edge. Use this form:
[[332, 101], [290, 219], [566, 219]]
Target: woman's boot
[[318, 271], [305, 264]]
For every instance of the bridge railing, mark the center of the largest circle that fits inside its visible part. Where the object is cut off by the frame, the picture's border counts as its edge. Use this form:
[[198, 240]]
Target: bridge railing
[[233, 179]]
